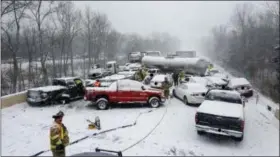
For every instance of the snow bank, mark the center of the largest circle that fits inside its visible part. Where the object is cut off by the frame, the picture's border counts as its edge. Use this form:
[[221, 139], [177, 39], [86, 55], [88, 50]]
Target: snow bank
[[221, 108]]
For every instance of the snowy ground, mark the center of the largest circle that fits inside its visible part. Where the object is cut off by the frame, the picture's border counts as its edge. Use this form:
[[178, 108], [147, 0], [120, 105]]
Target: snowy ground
[[25, 131]]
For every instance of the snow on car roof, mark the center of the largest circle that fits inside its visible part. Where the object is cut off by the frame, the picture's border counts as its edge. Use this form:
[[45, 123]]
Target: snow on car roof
[[200, 80], [234, 82], [195, 87], [159, 78], [111, 62], [48, 88], [228, 93], [113, 77], [220, 108], [66, 78], [215, 80]]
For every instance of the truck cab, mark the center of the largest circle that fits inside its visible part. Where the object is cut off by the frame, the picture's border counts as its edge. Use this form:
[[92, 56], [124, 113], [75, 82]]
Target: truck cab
[[112, 66], [126, 92]]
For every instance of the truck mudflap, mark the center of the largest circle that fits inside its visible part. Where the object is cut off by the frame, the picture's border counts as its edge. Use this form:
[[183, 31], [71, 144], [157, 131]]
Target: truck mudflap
[[219, 131]]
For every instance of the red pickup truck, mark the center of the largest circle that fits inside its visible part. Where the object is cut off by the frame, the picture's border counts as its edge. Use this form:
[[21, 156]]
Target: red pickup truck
[[124, 91]]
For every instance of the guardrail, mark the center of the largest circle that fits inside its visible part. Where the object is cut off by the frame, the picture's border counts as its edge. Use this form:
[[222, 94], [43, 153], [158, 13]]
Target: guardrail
[[12, 99]]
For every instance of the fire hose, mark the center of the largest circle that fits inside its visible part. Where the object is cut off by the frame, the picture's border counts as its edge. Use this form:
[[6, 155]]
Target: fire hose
[[96, 134]]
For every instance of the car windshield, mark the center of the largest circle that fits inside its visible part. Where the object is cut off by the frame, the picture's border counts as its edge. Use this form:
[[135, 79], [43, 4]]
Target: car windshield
[[223, 96]]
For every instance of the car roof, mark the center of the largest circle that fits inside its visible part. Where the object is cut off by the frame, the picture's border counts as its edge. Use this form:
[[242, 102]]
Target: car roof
[[234, 82]]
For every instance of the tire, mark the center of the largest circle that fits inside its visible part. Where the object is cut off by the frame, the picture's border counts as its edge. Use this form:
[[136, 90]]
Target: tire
[[102, 104], [239, 139], [200, 132], [185, 100], [154, 102]]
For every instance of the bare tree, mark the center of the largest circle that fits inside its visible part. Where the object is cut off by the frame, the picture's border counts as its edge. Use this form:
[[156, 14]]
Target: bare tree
[[9, 6], [88, 34], [13, 44], [39, 15], [69, 19]]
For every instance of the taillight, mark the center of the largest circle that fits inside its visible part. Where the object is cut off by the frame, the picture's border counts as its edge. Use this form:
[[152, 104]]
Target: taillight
[[196, 118], [242, 125]]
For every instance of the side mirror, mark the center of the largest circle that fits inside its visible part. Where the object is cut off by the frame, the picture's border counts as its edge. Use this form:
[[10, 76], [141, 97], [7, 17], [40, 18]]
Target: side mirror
[[143, 88]]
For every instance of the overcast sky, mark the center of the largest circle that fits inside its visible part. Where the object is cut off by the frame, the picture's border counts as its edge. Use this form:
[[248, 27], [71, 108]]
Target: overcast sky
[[188, 20]]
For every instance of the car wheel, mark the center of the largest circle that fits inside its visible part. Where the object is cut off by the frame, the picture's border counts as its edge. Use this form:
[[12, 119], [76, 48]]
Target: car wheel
[[200, 132], [154, 102], [185, 100], [102, 104], [239, 139]]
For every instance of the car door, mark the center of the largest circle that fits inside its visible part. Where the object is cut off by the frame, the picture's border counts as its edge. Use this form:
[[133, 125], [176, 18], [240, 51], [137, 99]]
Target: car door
[[181, 91], [79, 86], [137, 93], [72, 88], [123, 93]]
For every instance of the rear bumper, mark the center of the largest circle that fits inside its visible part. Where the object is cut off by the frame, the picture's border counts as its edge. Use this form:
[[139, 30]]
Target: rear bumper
[[218, 131]]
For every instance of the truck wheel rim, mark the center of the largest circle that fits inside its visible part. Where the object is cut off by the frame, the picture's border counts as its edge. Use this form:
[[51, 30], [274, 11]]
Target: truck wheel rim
[[154, 103], [102, 104]]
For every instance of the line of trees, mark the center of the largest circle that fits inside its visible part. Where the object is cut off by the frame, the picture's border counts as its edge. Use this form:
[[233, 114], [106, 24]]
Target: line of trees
[[246, 45], [56, 32]]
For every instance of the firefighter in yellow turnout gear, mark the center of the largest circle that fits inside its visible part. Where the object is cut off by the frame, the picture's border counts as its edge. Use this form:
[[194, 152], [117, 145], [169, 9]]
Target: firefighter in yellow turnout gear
[[58, 136], [181, 76]]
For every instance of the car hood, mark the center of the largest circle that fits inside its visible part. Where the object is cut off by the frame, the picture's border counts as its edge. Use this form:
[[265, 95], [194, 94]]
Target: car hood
[[221, 108]]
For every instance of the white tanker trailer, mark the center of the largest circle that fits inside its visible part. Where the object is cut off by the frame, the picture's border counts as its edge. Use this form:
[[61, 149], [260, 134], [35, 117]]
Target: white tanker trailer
[[195, 66]]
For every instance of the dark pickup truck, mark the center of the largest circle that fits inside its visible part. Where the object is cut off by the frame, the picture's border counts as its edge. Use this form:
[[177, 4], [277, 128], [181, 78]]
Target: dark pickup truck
[[221, 113]]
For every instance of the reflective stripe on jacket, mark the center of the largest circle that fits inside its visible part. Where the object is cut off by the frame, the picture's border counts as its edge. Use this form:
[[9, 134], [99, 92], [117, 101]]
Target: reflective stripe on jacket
[[58, 135]]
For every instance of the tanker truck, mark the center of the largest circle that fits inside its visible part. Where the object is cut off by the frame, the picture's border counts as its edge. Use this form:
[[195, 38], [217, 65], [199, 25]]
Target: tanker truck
[[195, 66]]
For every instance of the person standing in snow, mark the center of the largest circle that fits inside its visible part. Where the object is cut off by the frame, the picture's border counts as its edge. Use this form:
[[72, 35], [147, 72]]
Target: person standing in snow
[[181, 76], [175, 78], [58, 136], [166, 88]]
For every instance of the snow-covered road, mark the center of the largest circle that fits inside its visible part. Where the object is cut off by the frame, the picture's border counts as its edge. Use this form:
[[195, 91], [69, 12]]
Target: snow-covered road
[[25, 131]]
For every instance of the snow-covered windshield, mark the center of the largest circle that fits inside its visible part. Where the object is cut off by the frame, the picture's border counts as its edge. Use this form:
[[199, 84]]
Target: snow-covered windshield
[[223, 96]]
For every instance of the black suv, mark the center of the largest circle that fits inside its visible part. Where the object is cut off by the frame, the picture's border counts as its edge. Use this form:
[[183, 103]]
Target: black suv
[[74, 85], [47, 95]]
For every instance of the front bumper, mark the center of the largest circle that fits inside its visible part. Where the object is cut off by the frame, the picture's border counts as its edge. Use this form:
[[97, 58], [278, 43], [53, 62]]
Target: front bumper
[[219, 131]]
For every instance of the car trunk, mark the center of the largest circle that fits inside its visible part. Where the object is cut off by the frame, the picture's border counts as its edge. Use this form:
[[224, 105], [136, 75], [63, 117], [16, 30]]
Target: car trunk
[[220, 122]]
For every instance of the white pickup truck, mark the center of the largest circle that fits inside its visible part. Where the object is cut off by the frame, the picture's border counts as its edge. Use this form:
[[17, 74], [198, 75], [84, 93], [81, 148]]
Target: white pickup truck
[[222, 113]]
